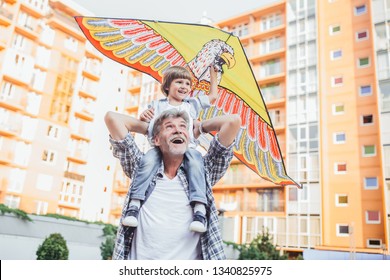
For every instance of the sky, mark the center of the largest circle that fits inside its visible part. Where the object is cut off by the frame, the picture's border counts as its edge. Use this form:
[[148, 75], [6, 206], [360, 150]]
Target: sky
[[172, 10]]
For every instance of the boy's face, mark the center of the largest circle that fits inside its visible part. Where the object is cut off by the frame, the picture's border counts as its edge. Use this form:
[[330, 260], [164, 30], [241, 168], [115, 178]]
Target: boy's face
[[179, 89]]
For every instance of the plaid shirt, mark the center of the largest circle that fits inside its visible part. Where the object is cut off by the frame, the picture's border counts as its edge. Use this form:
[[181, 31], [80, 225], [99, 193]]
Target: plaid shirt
[[216, 163]]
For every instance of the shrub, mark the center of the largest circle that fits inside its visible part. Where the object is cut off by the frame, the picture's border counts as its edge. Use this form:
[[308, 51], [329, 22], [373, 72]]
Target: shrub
[[107, 247], [53, 248], [260, 248], [17, 212]]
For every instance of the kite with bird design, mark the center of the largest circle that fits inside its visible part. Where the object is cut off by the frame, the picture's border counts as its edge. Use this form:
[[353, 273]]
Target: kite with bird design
[[153, 46]]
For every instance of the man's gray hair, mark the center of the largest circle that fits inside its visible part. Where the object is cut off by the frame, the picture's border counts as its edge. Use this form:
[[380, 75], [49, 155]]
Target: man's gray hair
[[172, 113]]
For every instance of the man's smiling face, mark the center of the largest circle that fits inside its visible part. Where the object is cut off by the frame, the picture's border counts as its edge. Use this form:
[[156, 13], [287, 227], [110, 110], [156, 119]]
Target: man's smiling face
[[173, 137]]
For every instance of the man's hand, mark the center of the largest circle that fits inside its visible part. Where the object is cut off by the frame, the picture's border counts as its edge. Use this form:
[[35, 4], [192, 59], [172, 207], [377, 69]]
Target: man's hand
[[147, 115]]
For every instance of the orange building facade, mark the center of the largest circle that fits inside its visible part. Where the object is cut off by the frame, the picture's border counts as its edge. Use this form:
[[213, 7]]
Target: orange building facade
[[317, 65], [323, 69]]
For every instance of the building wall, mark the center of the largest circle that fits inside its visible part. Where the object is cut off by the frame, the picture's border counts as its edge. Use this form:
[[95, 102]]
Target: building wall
[[19, 240]]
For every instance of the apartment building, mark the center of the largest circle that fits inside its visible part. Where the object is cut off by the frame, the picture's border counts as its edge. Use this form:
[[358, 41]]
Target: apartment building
[[55, 155], [322, 66], [318, 65]]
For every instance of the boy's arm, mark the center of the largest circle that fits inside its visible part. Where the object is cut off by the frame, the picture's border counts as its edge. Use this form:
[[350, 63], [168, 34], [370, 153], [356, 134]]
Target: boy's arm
[[213, 93]]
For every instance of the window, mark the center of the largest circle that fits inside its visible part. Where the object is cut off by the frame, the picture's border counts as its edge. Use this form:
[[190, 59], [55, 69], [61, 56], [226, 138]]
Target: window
[[71, 44], [49, 156], [365, 90], [41, 207], [12, 201], [336, 54], [338, 109], [342, 230], [339, 137], [16, 180], [373, 217], [359, 10], [374, 243], [334, 29], [340, 168], [369, 150], [371, 183], [44, 182], [53, 131], [367, 119], [337, 81], [361, 35], [364, 62], [71, 192], [341, 200]]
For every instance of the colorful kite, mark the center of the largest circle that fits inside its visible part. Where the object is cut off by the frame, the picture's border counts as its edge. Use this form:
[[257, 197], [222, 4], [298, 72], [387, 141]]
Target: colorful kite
[[152, 46]]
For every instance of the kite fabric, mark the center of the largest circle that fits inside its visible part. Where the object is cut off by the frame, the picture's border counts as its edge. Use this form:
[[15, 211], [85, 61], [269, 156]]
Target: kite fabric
[[153, 46]]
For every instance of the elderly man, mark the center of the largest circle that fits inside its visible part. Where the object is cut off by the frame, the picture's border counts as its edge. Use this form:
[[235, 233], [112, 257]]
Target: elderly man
[[163, 232]]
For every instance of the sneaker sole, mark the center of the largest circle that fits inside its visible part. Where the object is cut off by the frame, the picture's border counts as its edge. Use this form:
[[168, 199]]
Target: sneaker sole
[[197, 227], [130, 222]]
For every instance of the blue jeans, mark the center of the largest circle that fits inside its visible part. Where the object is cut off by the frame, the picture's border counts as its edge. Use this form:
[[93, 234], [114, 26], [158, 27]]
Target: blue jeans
[[193, 167]]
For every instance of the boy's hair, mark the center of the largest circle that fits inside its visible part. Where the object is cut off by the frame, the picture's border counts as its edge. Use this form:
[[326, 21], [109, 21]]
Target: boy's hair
[[172, 113], [172, 73]]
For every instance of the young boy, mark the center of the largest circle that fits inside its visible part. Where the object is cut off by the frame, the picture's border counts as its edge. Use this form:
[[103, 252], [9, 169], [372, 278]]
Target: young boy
[[176, 86]]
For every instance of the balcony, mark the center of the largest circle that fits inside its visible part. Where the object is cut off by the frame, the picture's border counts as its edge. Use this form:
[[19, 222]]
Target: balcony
[[32, 8], [121, 186], [60, 21], [19, 68], [29, 30], [11, 126], [84, 109], [92, 52], [261, 57], [74, 176], [78, 156], [87, 92], [69, 205], [81, 134], [92, 70], [14, 153], [15, 102], [5, 17]]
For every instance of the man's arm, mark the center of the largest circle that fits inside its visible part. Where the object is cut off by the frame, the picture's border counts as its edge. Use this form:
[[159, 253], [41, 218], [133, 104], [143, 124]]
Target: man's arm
[[119, 125], [220, 153], [124, 147], [227, 127]]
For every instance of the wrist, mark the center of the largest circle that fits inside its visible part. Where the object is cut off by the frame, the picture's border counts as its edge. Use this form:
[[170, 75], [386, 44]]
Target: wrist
[[201, 128]]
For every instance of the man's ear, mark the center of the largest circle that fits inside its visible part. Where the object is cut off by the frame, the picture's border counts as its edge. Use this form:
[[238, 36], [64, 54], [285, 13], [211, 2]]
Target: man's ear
[[156, 141]]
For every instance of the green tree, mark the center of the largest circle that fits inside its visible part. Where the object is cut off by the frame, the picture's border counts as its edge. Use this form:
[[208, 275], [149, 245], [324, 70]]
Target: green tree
[[260, 248], [107, 246], [53, 248]]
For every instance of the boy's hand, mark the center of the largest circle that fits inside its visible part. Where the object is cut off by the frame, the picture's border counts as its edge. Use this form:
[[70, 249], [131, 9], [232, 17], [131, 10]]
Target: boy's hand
[[196, 129], [147, 115]]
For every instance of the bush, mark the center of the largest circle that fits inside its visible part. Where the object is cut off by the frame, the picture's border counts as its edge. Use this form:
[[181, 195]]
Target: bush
[[53, 248], [260, 248], [107, 247], [17, 212]]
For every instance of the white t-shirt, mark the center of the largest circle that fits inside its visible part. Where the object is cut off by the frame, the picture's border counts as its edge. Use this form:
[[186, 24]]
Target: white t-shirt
[[163, 225]]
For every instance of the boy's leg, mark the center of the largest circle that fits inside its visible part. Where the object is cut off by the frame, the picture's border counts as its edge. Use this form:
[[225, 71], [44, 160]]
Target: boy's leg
[[194, 168], [148, 166]]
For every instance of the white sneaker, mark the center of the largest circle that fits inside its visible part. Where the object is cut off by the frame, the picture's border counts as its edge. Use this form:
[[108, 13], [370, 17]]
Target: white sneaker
[[199, 222], [130, 221], [197, 227]]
